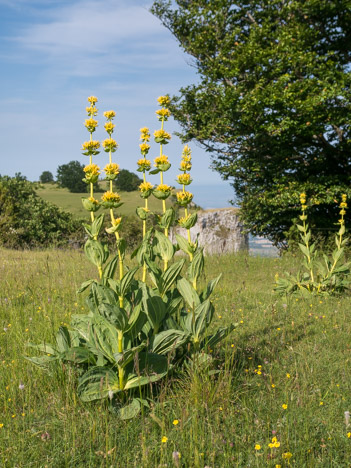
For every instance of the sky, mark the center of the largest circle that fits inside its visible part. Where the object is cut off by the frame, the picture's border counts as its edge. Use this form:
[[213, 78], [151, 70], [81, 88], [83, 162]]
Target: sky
[[54, 54]]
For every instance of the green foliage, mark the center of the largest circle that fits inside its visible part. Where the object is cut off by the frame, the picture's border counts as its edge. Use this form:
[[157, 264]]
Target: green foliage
[[127, 181], [26, 220], [272, 103], [322, 275], [135, 333], [71, 176], [46, 177]]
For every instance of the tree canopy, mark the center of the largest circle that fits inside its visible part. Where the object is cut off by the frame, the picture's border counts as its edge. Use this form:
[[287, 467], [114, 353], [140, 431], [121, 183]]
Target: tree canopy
[[127, 181], [46, 177], [71, 176], [272, 103]]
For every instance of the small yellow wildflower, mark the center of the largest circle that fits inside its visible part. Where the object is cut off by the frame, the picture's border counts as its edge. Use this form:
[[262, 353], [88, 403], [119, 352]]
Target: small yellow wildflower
[[175, 422], [274, 443], [288, 376], [110, 144], [349, 435], [92, 99], [164, 100], [109, 126], [163, 114], [110, 114], [1, 425], [321, 403], [116, 221], [343, 205], [284, 406], [93, 200], [110, 197], [257, 447], [164, 439], [273, 386], [286, 455], [111, 168]]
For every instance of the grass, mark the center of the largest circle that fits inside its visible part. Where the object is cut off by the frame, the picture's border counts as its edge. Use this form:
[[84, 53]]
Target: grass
[[72, 201], [295, 353]]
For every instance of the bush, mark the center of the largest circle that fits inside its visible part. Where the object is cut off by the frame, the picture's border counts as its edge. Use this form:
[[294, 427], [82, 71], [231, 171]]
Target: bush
[[26, 220]]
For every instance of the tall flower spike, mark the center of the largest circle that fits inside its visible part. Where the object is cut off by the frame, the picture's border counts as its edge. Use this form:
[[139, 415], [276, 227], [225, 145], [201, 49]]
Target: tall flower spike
[[90, 148]]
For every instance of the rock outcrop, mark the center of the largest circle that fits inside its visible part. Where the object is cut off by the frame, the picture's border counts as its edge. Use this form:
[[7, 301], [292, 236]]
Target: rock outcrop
[[219, 231]]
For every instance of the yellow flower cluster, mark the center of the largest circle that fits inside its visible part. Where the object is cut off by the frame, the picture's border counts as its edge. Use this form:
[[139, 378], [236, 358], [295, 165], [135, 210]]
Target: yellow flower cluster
[[185, 166], [116, 222], [162, 134], [93, 100], [144, 164], [145, 186], [164, 188], [163, 159], [164, 101], [184, 179], [186, 153], [163, 114], [93, 201], [110, 197], [144, 148], [91, 124], [109, 144], [111, 169], [109, 115], [109, 126], [145, 134], [91, 145], [92, 111], [92, 169], [184, 198]]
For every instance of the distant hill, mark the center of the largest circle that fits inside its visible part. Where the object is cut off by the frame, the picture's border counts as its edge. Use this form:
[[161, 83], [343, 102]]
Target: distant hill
[[72, 201]]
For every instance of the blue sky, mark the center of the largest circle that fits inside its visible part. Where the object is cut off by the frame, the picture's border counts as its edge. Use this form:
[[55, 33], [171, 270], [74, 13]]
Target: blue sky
[[54, 54]]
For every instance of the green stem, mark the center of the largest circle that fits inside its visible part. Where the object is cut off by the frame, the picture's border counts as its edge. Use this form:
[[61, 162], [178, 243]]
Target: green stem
[[307, 246]]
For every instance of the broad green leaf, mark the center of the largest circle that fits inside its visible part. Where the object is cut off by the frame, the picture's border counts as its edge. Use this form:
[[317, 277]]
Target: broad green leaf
[[95, 252], [152, 367], [104, 336], [210, 288], [198, 323], [96, 225], [170, 275], [127, 279], [96, 383], [182, 243], [128, 355], [131, 410], [63, 339], [115, 315], [218, 336], [164, 247], [168, 340], [189, 294], [80, 355], [197, 265], [110, 269], [85, 285]]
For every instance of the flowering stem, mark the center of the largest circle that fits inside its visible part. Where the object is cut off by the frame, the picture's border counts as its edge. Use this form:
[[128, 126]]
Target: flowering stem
[[120, 258]]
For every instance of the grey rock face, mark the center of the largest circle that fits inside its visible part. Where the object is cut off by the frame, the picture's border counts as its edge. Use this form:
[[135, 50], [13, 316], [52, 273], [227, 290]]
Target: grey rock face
[[219, 231]]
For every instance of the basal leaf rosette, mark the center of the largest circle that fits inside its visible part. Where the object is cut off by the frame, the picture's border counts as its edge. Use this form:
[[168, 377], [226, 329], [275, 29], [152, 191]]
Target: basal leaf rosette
[[162, 137], [184, 198], [145, 189], [111, 200], [90, 148], [161, 163], [144, 165], [184, 179], [162, 191], [90, 204], [111, 170], [110, 145], [92, 172]]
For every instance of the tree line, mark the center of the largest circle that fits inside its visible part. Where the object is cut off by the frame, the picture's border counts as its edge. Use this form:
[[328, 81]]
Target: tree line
[[71, 176]]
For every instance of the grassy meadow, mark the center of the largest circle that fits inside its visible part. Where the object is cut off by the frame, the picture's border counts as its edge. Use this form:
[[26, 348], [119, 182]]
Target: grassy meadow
[[284, 373], [72, 202]]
